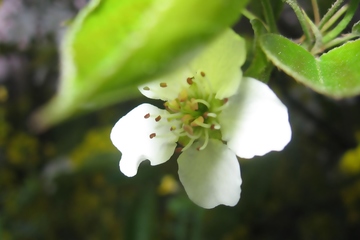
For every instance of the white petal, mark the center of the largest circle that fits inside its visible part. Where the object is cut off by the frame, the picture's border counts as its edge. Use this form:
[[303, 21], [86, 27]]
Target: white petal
[[220, 61], [256, 121], [131, 135], [211, 176], [175, 81]]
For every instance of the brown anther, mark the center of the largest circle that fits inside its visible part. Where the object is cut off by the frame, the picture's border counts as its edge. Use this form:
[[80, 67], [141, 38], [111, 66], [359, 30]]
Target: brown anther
[[147, 116], [178, 149], [205, 115], [190, 80], [188, 129], [212, 127], [146, 88], [202, 74], [172, 128], [163, 85], [158, 118], [152, 135], [198, 148], [225, 100]]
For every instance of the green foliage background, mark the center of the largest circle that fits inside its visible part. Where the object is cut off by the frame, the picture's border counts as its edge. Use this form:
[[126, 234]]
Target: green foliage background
[[65, 183]]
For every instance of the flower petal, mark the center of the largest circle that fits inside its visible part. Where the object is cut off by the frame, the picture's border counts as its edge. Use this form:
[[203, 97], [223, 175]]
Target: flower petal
[[131, 135], [256, 121], [175, 81], [211, 176], [221, 61]]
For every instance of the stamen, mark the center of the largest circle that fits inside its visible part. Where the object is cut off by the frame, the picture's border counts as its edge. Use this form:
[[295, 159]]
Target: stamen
[[203, 102], [152, 135], [146, 88], [158, 118], [206, 140], [183, 95], [188, 144], [190, 80], [221, 107], [147, 116], [215, 127], [188, 129], [197, 122], [208, 114], [202, 74], [187, 118], [163, 85]]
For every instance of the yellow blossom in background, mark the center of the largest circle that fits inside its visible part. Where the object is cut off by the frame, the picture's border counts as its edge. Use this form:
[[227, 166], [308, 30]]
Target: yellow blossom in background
[[95, 142], [350, 162]]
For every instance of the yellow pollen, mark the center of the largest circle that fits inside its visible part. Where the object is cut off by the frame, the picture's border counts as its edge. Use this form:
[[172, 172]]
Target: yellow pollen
[[183, 95], [197, 122], [173, 105], [188, 129], [187, 118]]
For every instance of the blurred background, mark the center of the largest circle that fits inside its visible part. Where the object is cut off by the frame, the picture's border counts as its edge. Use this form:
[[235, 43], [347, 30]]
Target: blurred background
[[65, 183]]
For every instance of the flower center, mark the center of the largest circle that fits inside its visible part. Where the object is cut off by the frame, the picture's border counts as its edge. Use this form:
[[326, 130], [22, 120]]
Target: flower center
[[193, 115]]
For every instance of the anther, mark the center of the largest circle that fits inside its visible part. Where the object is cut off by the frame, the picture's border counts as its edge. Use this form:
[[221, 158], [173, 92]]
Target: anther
[[152, 135], [208, 114], [215, 127], [187, 118], [147, 116], [158, 118], [190, 80], [202, 74], [197, 122], [163, 85], [188, 129], [225, 100], [146, 88], [183, 95]]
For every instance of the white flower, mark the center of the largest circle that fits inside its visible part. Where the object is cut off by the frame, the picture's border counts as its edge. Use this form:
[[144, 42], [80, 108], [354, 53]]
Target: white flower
[[211, 115]]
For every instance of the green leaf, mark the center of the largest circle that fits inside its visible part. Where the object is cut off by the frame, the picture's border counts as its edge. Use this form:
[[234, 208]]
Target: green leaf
[[335, 73], [113, 46]]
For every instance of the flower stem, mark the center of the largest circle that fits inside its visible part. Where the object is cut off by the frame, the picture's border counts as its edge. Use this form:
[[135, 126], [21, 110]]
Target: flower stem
[[330, 13], [269, 16], [249, 15], [334, 18], [315, 7], [294, 5], [343, 23]]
